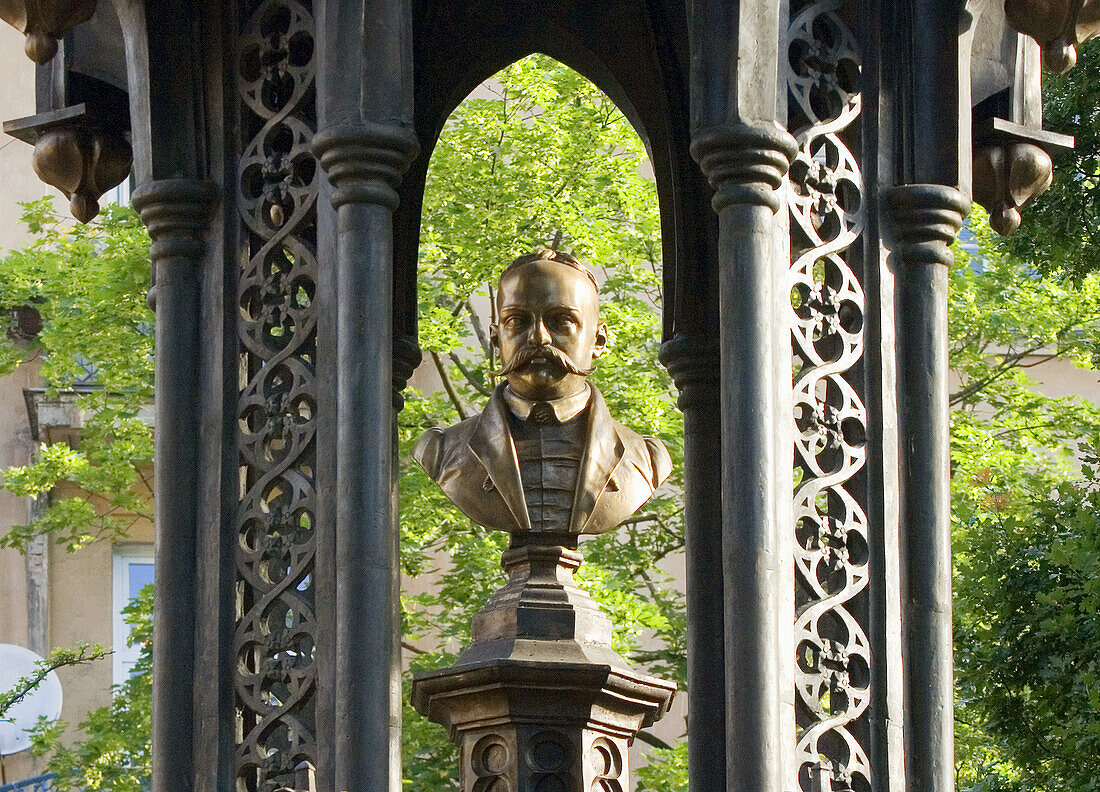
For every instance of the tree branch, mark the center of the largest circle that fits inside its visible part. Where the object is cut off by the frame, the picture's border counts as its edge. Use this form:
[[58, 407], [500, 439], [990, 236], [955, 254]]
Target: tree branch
[[449, 386], [467, 375], [639, 518], [479, 331], [1013, 360], [1008, 362], [58, 658], [650, 739], [144, 478]]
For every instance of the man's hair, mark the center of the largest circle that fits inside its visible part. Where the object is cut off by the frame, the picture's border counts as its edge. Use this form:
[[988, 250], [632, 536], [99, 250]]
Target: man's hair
[[557, 256]]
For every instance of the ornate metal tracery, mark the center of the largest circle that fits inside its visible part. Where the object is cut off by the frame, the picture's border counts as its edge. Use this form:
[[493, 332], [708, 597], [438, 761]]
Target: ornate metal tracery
[[276, 198], [831, 554]]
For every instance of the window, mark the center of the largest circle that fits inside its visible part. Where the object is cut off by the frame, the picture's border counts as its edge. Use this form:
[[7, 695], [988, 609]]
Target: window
[[133, 569], [119, 195]]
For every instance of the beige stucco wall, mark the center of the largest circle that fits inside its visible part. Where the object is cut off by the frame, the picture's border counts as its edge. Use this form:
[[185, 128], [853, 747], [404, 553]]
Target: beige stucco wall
[[81, 605], [1060, 378], [18, 181], [82, 609], [15, 448]]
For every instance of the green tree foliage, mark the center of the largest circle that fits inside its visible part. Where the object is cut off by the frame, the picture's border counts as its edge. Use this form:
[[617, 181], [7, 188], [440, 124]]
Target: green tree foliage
[[666, 771], [87, 283], [1026, 641], [1030, 665]]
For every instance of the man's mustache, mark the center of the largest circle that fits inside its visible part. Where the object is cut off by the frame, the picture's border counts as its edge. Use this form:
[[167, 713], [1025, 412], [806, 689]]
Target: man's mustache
[[527, 355]]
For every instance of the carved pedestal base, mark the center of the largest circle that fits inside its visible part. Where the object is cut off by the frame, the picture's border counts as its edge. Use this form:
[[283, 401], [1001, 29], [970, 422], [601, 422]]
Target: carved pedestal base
[[540, 702]]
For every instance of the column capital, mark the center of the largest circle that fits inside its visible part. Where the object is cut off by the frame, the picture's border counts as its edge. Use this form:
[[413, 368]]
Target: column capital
[[693, 361], [365, 161], [406, 357], [177, 213], [744, 164], [924, 219]]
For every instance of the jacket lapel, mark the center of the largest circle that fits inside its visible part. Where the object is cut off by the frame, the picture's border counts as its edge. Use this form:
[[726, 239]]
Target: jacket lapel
[[603, 453], [491, 442]]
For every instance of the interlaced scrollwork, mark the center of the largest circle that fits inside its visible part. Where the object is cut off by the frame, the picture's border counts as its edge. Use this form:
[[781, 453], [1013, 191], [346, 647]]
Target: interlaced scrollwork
[[276, 198], [827, 219]]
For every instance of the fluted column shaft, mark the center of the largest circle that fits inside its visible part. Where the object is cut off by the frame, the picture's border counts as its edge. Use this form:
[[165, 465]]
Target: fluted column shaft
[[693, 362], [924, 219], [176, 212], [364, 162], [745, 165]]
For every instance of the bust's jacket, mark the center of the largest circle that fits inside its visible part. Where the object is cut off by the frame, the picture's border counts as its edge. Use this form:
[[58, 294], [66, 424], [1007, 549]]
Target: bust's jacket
[[474, 462]]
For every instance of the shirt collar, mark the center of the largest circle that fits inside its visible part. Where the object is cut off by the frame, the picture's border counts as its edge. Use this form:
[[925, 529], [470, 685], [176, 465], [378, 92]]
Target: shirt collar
[[565, 409]]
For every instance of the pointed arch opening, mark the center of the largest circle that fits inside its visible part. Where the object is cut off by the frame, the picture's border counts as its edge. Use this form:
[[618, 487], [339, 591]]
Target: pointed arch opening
[[538, 157]]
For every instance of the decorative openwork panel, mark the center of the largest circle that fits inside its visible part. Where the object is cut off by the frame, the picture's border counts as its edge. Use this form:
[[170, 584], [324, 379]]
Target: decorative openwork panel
[[276, 198], [831, 572]]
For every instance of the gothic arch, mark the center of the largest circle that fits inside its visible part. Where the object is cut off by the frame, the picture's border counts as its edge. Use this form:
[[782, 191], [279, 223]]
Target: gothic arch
[[643, 70]]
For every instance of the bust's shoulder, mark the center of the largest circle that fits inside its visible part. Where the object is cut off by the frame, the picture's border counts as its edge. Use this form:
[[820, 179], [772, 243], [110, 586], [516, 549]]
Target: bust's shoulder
[[649, 451], [659, 457], [429, 451], [438, 444]]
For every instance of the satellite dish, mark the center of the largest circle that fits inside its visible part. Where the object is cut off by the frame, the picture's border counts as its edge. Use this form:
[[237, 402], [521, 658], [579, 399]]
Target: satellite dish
[[45, 700]]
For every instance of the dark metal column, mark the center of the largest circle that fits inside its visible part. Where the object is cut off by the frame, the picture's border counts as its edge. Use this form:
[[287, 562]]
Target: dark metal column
[[924, 215], [176, 122], [693, 362], [925, 219], [746, 167], [364, 145], [367, 732], [742, 149], [176, 213]]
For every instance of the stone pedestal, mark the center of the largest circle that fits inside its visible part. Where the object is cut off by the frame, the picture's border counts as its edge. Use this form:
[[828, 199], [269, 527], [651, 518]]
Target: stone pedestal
[[540, 702]]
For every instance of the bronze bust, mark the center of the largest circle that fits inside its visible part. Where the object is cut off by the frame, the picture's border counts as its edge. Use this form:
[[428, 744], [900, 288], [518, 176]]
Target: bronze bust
[[545, 456]]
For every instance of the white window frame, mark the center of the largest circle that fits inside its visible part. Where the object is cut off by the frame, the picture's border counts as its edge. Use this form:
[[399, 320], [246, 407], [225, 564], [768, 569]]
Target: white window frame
[[124, 656]]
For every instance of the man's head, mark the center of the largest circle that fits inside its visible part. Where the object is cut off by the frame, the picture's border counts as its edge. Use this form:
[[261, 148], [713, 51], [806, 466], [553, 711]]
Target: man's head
[[548, 329]]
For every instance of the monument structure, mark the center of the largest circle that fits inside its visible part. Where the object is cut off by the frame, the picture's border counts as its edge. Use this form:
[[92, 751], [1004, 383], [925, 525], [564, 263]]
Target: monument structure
[[814, 160]]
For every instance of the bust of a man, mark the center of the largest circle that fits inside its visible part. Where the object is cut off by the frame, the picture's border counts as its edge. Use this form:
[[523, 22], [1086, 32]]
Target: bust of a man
[[545, 456]]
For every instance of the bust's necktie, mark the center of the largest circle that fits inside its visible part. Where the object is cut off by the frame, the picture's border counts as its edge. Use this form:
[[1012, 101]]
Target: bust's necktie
[[541, 414]]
